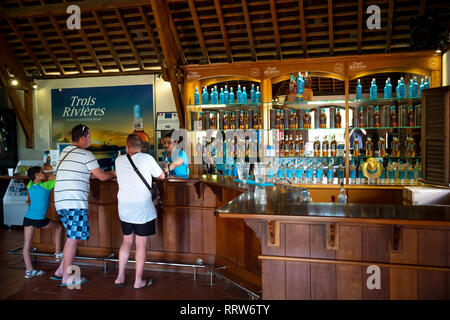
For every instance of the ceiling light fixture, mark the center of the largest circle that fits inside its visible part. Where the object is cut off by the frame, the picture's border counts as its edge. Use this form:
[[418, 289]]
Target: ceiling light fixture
[[14, 82]]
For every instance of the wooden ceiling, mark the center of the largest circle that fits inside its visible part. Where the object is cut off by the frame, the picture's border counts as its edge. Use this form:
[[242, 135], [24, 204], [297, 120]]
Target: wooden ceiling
[[124, 37]]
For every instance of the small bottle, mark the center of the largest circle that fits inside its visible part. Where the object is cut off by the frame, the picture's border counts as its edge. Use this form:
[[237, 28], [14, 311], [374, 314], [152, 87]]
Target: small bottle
[[361, 118], [338, 119], [395, 147], [402, 89], [205, 96], [376, 118], [410, 173], [301, 146], [257, 95], [417, 172], [319, 172], [231, 96], [246, 120], [401, 170], [362, 179], [226, 121], [369, 147], [244, 96], [239, 95], [294, 119], [226, 95], [382, 178], [426, 84], [255, 120], [342, 197], [421, 87], [196, 97], [307, 120], [390, 173], [359, 90], [270, 172], [411, 116], [299, 172], [373, 90], [211, 96], [291, 146], [241, 120], [232, 120], [325, 147], [397, 90], [333, 146], [330, 173], [411, 89], [212, 120], [323, 119], [388, 89], [353, 172], [415, 88], [356, 148], [221, 96], [253, 95], [316, 147], [381, 147], [277, 120], [300, 83], [216, 95], [340, 172], [309, 173], [394, 117], [290, 171]]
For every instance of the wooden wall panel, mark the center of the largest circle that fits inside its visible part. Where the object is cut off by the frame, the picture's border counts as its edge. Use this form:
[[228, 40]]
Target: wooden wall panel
[[297, 240], [104, 222], [182, 195], [375, 196], [176, 230], [403, 282], [274, 280], [156, 241], [94, 232], [252, 245], [318, 242], [323, 281], [195, 231], [298, 281], [230, 247], [209, 232]]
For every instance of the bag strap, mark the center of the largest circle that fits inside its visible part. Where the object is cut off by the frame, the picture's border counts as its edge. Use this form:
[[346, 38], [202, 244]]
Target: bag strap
[[65, 158], [138, 173]]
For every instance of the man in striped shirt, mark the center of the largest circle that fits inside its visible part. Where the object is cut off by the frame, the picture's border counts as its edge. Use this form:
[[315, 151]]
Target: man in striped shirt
[[71, 194]]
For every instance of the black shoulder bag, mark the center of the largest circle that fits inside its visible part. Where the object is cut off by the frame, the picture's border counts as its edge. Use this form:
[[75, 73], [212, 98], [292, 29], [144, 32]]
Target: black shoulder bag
[[154, 190]]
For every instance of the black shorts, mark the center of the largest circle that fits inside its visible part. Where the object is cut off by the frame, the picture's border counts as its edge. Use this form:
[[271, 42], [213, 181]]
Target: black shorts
[[142, 230], [35, 223]]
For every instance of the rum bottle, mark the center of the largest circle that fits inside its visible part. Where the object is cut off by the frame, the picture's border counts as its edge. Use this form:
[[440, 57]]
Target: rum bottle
[[233, 121], [361, 119], [325, 147], [333, 146], [381, 147], [323, 119], [316, 147], [395, 147], [297, 147], [294, 119], [277, 120], [356, 148], [225, 121], [246, 120], [394, 118], [241, 120], [376, 118], [138, 125], [307, 120], [281, 119], [301, 146], [286, 145], [411, 116], [338, 119], [281, 146], [291, 146], [369, 147]]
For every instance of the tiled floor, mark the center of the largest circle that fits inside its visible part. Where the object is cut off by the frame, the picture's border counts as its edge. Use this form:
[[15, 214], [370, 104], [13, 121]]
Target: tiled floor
[[168, 285]]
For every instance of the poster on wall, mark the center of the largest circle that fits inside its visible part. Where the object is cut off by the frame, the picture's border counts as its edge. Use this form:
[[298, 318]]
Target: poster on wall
[[111, 113]]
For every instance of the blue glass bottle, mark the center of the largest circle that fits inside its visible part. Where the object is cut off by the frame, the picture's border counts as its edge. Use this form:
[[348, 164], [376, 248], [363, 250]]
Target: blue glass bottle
[[415, 88], [244, 96], [353, 172], [216, 95], [373, 90], [196, 97], [221, 97], [359, 90], [422, 84], [211, 96], [239, 95], [402, 90], [300, 83], [205, 96], [319, 172], [226, 95], [411, 89], [231, 96], [388, 89], [427, 83], [397, 90], [257, 95], [290, 171], [253, 95]]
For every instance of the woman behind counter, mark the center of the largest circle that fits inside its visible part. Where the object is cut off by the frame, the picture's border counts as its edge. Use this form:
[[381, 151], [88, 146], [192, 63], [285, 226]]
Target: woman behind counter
[[177, 158]]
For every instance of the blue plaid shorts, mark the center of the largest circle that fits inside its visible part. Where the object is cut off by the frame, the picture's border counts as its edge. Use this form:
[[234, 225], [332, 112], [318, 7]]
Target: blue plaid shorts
[[76, 223]]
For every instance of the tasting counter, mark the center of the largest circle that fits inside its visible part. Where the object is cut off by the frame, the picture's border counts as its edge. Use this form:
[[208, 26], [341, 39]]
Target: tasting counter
[[269, 242]]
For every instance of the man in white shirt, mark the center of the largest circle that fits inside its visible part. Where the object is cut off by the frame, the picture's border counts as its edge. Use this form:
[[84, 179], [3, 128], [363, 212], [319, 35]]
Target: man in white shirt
[[71, 194], [136, 210]]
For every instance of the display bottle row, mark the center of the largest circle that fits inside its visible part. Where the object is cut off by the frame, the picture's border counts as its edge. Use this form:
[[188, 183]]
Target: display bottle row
[[228, 97], [410, 147], [414, 90], [389, 116], [226, 120], [302, 119]]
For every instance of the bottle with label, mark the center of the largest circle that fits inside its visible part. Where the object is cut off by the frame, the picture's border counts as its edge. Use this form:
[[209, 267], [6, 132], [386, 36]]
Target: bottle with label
[[309, 172], [358, 90], [282, 119], [412, 147], [233, 121], [212, 120], [205, 96], [390, 173], [376, 117], [307, 80], [395, 147], [294, 119], [401, 170], [397, 90], [216, 95], [411, 89], [239, 95], [196, 97], [138, 125], [330, 173], [353, 172], [257, 95], [300, 83], [305, 196], [246, 120], [231, 96], [244, 96], [299, 171], [421, 87], [369, 147], [361, 118], [411, 116], [301, 146], [291, 146], [166, 167], [319, 172], [316, 147], [226, 95], [307, 120], [381, 147], [356, 148], [211, 96], [290, 171], [338, 119], [325, 147], [255, 120], [241, 120], [277, 120], [270, 172], [342, 197], [373, 90], [226, 121], [426, 84], [410, 173], [417, 171], [323, 119], [415, 88], [333, 146], [388, 89], [340, 172], [382, 178], [221, 96], [402, 89], [362, 178], [253, 95], [394, 117]]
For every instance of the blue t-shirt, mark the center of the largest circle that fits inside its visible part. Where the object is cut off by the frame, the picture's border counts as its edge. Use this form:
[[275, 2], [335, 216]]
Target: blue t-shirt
[[39, 199], [180, 171]]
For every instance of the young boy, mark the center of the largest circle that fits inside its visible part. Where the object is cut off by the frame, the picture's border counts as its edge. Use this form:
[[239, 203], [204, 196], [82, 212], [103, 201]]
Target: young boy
[[39, 189]]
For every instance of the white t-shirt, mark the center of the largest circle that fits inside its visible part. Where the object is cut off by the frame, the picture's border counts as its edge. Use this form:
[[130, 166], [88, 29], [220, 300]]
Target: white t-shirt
[[134, 198], [72, 184]]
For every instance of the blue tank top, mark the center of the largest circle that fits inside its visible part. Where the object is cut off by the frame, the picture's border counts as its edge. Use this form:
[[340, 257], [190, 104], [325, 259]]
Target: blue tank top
[[39, 199]]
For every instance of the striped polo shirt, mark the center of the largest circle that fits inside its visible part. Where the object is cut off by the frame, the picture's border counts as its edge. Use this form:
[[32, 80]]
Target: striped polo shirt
[[73, 178]]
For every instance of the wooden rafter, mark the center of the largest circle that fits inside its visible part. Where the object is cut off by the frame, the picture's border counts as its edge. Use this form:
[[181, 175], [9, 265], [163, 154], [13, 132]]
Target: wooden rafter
[[152, 36], [249, 28], [27, 47], [273, 12], [423, 7], [100, 24], [302, 27], [360, 26], [389, 26], [46, 45], [223, 30], [90, 49], [129, 39], [330, 24], [198, 29], [66, 44]]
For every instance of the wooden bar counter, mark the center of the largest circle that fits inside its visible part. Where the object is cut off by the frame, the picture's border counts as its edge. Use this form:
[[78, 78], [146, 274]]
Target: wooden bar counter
[[267, 241]]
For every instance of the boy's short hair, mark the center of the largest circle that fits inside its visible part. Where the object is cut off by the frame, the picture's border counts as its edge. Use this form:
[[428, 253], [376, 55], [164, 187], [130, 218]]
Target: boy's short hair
[[169, 135], [134, 141], [31, 173], [79, 131]]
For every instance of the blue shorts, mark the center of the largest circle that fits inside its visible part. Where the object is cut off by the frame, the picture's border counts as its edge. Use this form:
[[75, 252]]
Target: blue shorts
[[76, 223]]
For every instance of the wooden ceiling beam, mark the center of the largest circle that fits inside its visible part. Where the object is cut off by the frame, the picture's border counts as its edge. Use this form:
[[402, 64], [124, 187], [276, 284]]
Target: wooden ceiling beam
[[8, 58], [273, 12], [129, 39], [198, 29], [100, 24], [330, 24], [423, 7], [389, 26], [66, 44], [90, 50], [223, 30], [303, 28], [152, 37], [249, 28]]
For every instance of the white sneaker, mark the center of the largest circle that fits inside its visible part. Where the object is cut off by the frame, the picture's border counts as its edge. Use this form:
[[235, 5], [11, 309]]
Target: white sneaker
[[33, 273], [58, 256]]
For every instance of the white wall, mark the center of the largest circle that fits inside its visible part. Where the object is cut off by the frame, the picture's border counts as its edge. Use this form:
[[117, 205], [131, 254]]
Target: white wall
[[163, 101]]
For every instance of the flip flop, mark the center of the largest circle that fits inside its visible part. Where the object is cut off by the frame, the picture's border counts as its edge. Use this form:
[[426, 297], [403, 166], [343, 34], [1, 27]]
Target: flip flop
[[122, 284], [56, 278], [148, 283], [73, 284]]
